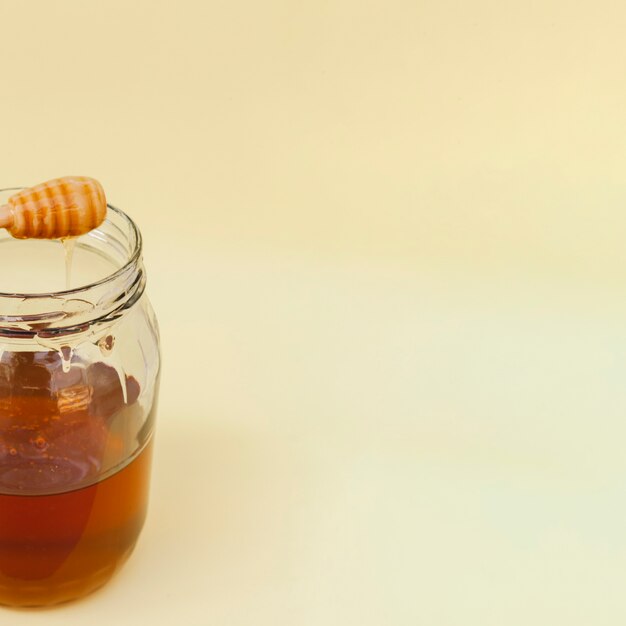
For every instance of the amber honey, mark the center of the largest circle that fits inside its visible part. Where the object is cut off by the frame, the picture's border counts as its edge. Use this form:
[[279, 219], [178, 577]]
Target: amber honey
[[73, 494], [58, 547]]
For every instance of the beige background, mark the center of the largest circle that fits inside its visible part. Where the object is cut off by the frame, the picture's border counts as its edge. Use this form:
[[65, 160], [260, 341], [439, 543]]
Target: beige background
[[385, 243]]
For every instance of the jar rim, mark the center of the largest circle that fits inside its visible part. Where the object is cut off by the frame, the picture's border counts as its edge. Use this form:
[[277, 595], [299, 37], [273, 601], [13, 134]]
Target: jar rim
[[133, 258], [68, 311]]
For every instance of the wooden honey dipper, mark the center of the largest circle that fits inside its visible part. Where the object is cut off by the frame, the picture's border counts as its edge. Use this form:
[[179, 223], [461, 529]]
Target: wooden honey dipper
[[60, 208]]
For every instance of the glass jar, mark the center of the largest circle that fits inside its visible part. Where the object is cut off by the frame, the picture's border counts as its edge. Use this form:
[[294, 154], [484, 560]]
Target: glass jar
[[79, 378]]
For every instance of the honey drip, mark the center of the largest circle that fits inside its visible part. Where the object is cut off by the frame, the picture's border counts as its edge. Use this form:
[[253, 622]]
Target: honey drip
[[68, 247]]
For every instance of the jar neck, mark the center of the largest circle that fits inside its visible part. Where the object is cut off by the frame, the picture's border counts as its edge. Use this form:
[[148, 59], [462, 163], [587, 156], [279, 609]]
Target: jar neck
[[75, 311]]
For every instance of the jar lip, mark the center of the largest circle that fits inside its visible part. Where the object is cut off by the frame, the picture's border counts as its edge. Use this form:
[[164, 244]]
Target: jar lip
[[132, 260]]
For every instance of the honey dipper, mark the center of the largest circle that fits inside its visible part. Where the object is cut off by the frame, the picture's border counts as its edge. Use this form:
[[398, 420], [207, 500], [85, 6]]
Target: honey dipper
[[63, 207]]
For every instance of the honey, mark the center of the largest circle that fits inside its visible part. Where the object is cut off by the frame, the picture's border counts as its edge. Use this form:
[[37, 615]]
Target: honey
[[59, 547], [71, 503]]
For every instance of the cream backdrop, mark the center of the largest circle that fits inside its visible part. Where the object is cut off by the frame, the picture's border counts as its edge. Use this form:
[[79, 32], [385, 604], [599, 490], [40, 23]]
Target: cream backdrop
[[385, 244]]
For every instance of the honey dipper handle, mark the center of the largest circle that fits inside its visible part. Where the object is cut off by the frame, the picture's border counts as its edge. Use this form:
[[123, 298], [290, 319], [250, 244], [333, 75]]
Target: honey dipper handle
[[6, 216]]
